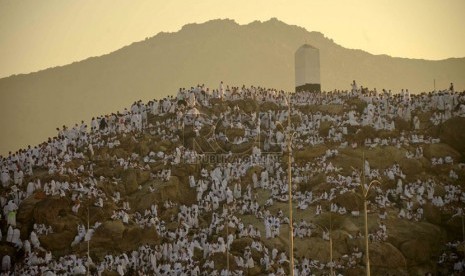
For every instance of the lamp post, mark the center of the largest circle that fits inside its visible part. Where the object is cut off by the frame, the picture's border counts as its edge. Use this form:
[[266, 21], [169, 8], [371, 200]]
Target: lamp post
[[227, 241], [461, 212], [291, 227], [463, 224], [88, 240], [331, 242], [365, 191], [365, 195], [323, 228], [289, 187], [290, 135]]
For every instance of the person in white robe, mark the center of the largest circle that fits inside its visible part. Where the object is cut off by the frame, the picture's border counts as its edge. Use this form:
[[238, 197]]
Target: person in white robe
[[9, 235], [6, 263], [34, 239], [27, 247], [30, 189], [17, 238]]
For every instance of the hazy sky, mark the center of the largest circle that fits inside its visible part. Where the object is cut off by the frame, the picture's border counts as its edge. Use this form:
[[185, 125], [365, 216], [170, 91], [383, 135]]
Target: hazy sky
[[38, 34]]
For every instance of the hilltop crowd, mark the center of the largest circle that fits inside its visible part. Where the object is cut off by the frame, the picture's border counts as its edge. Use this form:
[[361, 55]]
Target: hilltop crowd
[[228, 192]]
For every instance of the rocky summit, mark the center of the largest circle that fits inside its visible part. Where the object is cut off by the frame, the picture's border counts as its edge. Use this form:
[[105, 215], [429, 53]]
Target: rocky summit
[[198, 184]]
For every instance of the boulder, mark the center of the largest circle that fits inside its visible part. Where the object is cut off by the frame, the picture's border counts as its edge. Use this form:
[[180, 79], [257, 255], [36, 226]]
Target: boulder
[[314, 248], [130, 181], [418, 251], [310, 152], [268, 106], [441, 150], [120, 153], [350, 201], [418, 241], [384, 256], [221, 261], [169, 190], [109, 233], [133, 178], [51, 209], [411, 167], [26, 211], [424, 270], [142, 148], [255, 271], [432, 213], [238, 245], [58, 241], [401, 230], [452, 133], [134, 236], [144, 200], [67, 222], [349, 226]]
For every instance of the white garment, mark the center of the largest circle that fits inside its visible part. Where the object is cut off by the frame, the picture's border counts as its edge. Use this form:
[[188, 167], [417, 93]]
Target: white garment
[[6, 263]]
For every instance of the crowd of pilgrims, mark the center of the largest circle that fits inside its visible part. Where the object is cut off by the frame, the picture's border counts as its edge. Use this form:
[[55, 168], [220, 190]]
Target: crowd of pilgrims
[[220, 189]]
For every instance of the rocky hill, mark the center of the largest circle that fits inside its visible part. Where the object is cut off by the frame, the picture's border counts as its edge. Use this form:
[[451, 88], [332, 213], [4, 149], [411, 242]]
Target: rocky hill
[[259, 53], [200, 183]]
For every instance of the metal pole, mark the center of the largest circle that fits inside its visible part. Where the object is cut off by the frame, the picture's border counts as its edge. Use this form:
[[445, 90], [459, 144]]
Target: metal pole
[[365, 194], [331, 253], [88, 241], [366, 236], [289, 176], [227, 243], [463, 229], [331, 244], [365, 191], [324, 229]]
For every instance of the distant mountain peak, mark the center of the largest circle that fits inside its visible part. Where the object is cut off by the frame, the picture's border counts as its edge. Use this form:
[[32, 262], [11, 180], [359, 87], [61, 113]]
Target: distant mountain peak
[[270, 22], [274, 20], [213, 22]]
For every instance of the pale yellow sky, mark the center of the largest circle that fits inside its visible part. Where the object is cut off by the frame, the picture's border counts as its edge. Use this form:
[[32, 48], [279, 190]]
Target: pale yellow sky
[[39, 34]]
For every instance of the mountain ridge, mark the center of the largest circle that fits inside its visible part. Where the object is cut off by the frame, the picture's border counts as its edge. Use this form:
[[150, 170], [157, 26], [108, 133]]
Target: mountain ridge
[[259, 53], [231, 21]]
